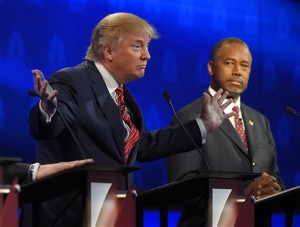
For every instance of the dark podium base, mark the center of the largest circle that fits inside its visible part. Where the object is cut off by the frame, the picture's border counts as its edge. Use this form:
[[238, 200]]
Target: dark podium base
[[219, 189]]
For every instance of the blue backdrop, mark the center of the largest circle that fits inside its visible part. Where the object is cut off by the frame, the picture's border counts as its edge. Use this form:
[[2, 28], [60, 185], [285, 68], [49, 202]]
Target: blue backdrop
[[51, 34]]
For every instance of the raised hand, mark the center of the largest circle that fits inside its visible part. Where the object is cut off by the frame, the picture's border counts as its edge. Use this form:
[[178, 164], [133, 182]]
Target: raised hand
[[44, 91], [213, 110]]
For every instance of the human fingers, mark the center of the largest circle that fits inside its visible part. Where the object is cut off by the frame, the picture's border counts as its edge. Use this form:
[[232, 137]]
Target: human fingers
[[206, 98], [43, 89], [37, 72], [268, 185], [269, 189], [217, 96], [254, 185], [38, 76], [36, 80], [40, 84], [227, 103], [269, 181], [222, 97], [77, 163]]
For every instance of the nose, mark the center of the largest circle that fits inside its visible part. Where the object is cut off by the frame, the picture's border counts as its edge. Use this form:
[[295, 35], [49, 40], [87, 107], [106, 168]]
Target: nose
[[236, 70], [145, 54]]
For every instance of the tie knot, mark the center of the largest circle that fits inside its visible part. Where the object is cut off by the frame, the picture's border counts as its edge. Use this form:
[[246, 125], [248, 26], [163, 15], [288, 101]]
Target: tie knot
[[236, 109], [119, 90]]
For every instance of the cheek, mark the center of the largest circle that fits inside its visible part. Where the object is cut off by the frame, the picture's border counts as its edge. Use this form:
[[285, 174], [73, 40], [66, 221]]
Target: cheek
[[246, 80], [221, 80]]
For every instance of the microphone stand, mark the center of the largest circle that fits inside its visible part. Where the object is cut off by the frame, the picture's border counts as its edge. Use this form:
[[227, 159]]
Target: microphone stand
[[167, 97]]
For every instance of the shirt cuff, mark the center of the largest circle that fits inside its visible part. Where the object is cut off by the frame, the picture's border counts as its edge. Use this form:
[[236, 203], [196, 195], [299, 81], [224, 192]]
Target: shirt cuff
[[33, 169], [48, 119], [202, 129]]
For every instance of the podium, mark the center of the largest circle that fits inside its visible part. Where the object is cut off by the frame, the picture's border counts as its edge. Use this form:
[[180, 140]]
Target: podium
[[8, 196], [6, 161], [104, 188], [286, 202], [220, 190]]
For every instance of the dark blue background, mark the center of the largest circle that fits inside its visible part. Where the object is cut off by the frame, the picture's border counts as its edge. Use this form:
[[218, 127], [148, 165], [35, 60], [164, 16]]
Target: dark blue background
[[51, 34]]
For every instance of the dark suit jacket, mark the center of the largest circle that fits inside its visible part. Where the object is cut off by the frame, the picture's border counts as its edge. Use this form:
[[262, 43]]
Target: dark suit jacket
[[224, 150], [95, 120]]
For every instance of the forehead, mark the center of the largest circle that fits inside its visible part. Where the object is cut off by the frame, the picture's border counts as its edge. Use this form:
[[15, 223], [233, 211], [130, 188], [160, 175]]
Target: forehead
[[235, 51]]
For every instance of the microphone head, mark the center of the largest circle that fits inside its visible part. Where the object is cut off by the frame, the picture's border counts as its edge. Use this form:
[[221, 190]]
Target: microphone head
[[290, 110], [167, 96]]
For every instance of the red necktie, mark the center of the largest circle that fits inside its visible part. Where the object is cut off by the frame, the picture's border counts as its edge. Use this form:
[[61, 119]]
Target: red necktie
[[239, 126], [134, 132]]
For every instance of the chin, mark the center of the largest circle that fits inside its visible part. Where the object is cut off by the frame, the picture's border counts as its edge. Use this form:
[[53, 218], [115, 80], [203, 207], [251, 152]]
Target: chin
[[234, 94], [140, 76]]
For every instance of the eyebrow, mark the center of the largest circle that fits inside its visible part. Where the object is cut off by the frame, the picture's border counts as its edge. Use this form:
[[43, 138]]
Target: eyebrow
[[233, 59]]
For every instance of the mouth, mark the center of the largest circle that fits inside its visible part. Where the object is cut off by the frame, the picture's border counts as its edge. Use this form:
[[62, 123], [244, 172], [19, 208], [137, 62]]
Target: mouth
[[142, 66], [236, 82]]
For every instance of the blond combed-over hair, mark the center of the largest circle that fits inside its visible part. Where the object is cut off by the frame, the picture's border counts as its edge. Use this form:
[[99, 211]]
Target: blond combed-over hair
[[110, 30]]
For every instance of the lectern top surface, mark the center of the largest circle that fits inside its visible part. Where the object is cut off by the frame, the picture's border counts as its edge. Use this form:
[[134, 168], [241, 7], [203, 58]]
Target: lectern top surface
[[7, 160]]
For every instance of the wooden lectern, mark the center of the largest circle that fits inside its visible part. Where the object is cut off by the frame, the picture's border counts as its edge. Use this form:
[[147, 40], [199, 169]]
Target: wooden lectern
[[108, 201], [221, 190], [8, 196]]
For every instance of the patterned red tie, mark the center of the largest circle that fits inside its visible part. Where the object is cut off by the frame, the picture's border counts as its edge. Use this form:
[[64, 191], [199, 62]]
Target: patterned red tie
[[239, 126], [134, 132]]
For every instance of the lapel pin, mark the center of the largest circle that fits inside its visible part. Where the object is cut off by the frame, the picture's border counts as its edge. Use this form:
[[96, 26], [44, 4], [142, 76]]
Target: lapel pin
[[251, 122]]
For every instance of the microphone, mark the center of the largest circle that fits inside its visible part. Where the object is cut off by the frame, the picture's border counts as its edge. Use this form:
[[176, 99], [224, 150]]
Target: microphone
[[292, 111], [34, 93], [167, 97]]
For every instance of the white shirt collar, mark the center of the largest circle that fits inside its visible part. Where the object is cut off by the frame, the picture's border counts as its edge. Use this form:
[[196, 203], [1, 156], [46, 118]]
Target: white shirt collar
[[109, 81]]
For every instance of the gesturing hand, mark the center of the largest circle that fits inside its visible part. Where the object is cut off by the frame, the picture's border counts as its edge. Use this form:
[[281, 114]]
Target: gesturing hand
[[44, 91], [212, 113]]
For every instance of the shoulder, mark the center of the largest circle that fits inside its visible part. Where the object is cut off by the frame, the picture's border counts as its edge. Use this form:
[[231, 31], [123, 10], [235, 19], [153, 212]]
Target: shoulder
[[252, 112], [195, 104], [191, 110], [71, 74], [71, 70]]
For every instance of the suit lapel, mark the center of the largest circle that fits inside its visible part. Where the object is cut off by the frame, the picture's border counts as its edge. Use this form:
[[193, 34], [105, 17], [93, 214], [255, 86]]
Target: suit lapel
[[230, 131], [107, 105]]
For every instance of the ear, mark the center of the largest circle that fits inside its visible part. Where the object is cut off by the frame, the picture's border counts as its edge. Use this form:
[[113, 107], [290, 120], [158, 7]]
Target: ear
[[210, 68], [107, 53]]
